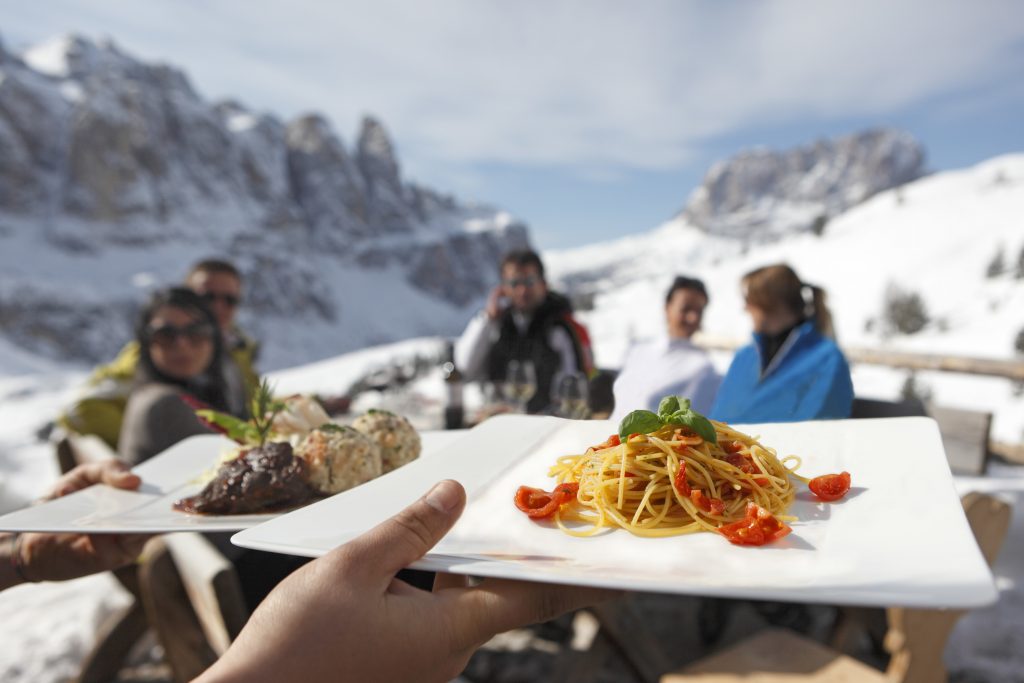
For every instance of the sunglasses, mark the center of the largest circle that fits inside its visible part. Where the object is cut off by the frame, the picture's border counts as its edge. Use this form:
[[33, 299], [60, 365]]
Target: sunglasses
[[229, 300], [528, 281], [166, 335]]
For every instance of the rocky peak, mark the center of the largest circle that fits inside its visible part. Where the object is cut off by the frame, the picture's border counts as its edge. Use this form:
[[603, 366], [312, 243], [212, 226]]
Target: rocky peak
[[325, 180], [376, 153], [761, 194], [76, 58], [312, 133], [375, 156]]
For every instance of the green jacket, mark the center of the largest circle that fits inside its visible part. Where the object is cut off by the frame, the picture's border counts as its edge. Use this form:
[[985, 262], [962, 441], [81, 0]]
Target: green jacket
[[99, 410]]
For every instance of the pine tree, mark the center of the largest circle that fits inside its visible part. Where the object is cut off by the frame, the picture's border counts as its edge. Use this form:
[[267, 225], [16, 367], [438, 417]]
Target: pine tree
[[997, 265], [818, 226], [912, 390], [904, 312], [1020, 264]]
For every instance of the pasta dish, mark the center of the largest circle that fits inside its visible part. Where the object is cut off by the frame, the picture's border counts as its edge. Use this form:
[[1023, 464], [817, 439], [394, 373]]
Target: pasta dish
[[681, 476]]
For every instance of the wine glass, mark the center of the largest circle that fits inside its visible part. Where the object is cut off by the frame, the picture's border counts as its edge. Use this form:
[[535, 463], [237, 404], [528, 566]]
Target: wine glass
[[520, 383], [570, 395]]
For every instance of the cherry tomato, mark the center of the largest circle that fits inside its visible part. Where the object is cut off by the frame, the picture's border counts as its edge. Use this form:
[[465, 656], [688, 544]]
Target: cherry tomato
[[540, 504], [712, 505], [717, 507], [612, 440], [686, 437], [680, 482], [757, 528], [742, 463], [732, 446], [829, 487]]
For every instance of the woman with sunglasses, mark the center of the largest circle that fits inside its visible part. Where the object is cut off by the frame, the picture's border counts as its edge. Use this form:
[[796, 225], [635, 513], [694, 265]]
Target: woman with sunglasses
[[180, 351]]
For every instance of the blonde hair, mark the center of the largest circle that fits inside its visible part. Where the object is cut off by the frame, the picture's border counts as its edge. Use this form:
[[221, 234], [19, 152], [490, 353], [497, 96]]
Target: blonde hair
[[778, 289]]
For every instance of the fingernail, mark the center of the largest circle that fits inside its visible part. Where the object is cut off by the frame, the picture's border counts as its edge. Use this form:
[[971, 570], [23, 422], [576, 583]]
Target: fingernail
[[444, 497]]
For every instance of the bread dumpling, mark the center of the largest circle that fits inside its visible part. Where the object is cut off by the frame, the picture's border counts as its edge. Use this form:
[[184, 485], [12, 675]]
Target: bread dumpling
[[398, 440], [339, 458]]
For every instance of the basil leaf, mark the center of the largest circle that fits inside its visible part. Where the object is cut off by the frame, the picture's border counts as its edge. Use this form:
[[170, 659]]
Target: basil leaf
[[668, 405], [700, 425], [639, 422]]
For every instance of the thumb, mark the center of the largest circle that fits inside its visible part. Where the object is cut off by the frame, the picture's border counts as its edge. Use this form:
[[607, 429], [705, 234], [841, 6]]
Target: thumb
[[409, 535], [121, 478]]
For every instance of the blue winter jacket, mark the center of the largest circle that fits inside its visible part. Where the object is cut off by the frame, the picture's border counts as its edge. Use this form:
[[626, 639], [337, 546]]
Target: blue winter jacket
[[808, 379]]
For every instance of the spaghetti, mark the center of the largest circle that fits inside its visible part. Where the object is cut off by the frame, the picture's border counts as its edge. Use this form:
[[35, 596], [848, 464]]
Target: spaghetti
[[672, 481]]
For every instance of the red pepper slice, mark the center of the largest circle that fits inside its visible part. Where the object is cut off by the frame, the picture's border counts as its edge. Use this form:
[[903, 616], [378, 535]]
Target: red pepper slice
[[829, 487], [540, 504], [757, 528], [195, 404], [680, 482]]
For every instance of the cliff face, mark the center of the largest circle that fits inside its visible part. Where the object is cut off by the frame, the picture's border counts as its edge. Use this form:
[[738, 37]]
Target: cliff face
[[761, 195], [115, 174]]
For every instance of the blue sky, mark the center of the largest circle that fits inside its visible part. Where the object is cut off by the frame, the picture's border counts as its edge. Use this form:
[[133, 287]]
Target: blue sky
[[590, 119]]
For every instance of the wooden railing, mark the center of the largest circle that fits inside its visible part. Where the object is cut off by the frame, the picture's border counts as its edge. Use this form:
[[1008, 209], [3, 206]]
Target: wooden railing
[[991, 367]]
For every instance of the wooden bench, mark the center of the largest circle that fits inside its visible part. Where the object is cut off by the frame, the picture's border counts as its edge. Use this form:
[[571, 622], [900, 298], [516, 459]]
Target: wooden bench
[[193, 600]]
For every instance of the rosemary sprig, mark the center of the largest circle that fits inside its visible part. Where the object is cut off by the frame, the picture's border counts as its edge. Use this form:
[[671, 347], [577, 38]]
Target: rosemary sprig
[[251, 432], [264, 410]]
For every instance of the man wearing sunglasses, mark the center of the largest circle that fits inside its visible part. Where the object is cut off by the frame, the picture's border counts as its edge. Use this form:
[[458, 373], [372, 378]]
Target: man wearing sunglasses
[[220, 285], [524, 321], [100, 409]]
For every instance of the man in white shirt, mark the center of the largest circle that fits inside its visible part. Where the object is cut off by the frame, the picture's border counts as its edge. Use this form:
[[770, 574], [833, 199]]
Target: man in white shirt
[[524, 321], [671, 365]]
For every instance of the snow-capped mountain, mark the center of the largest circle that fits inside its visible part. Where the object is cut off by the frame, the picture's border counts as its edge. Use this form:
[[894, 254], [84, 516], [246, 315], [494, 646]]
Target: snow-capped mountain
[[761, 195], [115, 175]]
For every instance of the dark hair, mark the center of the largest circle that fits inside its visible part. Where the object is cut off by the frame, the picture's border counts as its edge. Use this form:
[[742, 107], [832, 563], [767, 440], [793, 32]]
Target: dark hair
[[684, 282], [209, 386], [214, 265], [523, 258], [778, 288]]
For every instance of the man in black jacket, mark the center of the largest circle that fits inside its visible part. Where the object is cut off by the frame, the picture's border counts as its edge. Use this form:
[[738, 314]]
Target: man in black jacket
[[524, 321]]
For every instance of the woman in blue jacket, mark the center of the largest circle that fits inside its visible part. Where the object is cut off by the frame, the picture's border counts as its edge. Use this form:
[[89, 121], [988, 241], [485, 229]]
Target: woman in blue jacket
[[793, 370]]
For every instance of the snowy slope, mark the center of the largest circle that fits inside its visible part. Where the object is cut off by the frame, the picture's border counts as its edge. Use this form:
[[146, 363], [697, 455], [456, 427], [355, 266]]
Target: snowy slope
[[935, 236]]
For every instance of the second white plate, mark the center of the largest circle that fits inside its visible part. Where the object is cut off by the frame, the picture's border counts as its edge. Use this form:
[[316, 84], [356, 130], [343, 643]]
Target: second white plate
[[899, 538]]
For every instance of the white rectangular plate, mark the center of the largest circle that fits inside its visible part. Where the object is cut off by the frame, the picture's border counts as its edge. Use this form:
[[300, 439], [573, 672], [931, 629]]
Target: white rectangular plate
[[167, 477], [899, 538]]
